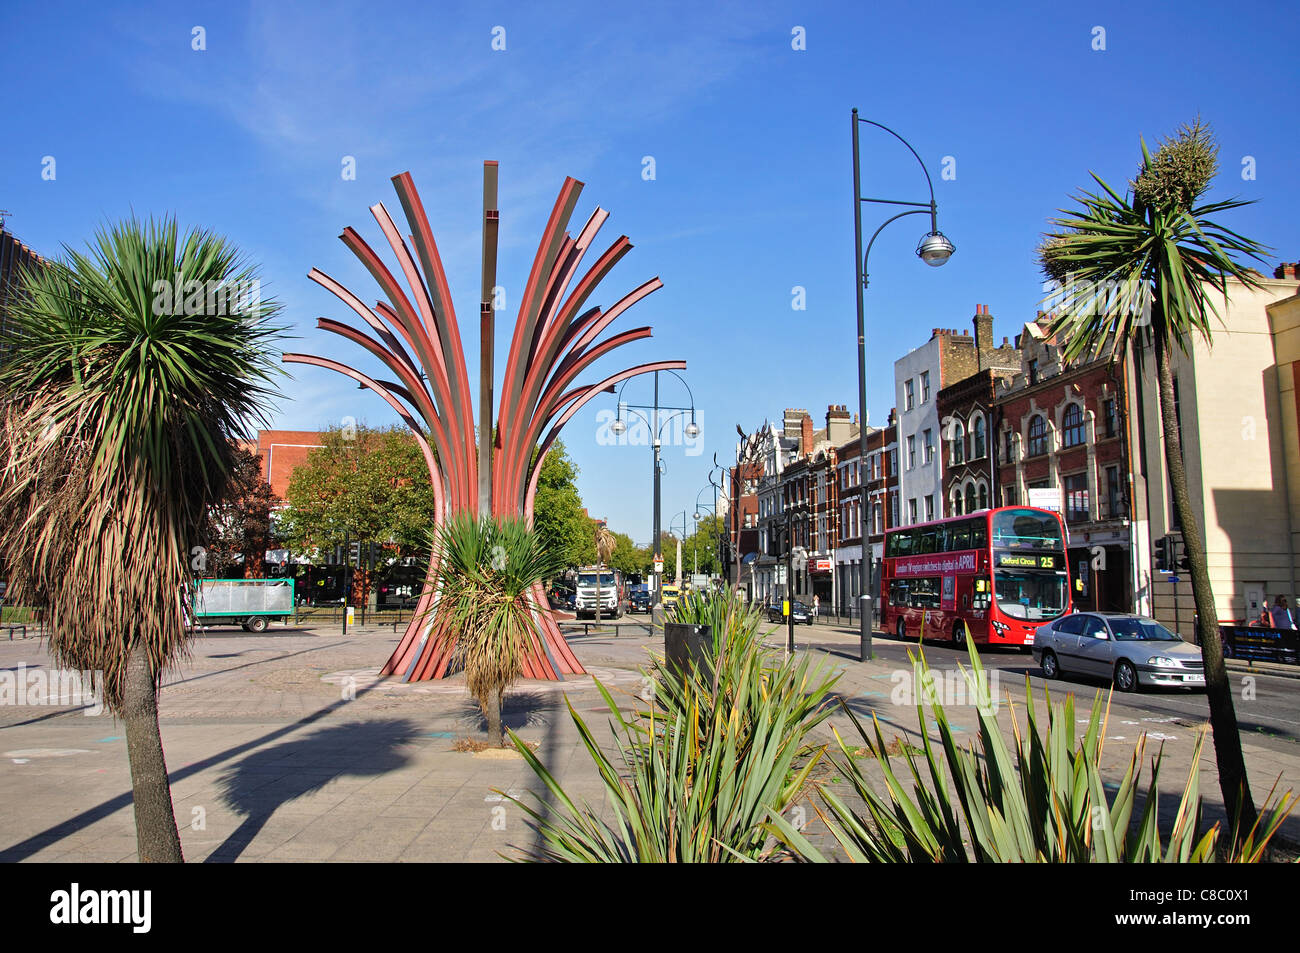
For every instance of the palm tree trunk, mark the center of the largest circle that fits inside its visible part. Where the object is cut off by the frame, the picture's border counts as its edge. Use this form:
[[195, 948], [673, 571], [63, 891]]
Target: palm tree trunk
[[496, 737], [157, 840], [1233, 781]]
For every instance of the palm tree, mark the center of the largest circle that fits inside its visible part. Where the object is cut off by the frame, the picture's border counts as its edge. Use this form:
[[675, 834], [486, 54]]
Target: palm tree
[[486, 614], [131, 371], [606, 542], [1140, 270]]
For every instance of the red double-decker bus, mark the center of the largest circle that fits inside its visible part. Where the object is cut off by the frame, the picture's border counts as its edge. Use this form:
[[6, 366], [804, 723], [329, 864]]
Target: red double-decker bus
[[998, 574]]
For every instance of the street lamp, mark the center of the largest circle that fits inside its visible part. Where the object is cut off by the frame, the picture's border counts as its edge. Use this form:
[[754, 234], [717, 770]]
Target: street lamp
[[656, 423], [934, 249], [695, 549]]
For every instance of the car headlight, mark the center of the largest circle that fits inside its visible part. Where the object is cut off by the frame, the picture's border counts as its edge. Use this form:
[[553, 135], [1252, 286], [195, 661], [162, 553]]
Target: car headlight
[[1161, 661]]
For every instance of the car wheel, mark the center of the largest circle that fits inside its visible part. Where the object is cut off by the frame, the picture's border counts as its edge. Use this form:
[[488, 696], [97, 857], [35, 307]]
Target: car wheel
[[958, 635], [1051, 668], [1126, 679], [257, 624], [902, 629]]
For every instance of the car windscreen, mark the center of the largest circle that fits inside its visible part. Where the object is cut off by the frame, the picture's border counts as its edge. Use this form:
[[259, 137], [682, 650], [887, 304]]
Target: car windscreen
[[1141, 630]]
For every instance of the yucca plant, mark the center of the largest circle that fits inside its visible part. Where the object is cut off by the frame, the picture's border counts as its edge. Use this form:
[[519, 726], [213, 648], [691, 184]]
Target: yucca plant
[[129, 373], [1140, 271], [485, 611], [698, 774], [1047, 804]]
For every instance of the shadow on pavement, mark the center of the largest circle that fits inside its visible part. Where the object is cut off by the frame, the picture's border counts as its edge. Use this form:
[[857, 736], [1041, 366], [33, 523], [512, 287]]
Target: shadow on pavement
[[303, 766]]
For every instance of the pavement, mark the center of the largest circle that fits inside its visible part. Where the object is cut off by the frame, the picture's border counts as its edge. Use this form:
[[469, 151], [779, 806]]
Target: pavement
[[287, 746]]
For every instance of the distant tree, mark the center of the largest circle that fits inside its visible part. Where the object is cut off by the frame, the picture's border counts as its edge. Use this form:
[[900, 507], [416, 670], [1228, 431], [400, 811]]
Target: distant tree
[[628, 557], [370, 484], [239, 530], [558, 513]]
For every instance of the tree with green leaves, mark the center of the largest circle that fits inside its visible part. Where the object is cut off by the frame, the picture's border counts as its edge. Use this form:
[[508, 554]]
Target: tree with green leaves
[[370, 484], [239, 530], [1139, 272], [558, 513], [131, 371]]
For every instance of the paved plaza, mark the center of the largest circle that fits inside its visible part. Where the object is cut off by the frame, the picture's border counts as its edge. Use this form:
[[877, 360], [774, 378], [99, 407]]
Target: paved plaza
[[286, 746]]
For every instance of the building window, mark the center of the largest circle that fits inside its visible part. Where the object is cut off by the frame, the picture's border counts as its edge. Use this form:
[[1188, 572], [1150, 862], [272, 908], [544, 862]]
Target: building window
[[1006, 451], [971, 505], [1037, 436], [911, 510], [909, 398], [1072, 426], [957, 453], [984, 497], [1076, 498], [893, 508], [977, 437], [1033, 371], [956, 503], [929, 507], [1113, 501], [911, 451], [929, 445], [1110, 409], [1009, 497], [893, 461], [925, 386]]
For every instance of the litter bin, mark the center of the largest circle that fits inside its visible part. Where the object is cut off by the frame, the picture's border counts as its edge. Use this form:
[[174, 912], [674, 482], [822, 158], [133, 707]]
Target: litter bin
[[686, 644]]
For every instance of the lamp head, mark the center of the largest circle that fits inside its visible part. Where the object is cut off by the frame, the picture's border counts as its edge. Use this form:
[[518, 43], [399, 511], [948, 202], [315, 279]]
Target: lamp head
[[692, 429], [618, 427], [934, 249]]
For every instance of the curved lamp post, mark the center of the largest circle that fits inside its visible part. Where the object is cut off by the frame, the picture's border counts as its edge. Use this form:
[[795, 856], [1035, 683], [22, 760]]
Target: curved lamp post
[[695, 550], [934, 249], [656, 423]]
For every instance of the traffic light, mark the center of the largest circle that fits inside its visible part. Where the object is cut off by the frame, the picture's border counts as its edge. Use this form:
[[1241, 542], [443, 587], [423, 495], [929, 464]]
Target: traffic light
[[1164, 554], [1184, 563]]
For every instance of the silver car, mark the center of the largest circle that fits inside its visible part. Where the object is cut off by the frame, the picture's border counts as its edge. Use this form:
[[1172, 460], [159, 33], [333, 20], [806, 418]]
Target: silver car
[[1131, 650]]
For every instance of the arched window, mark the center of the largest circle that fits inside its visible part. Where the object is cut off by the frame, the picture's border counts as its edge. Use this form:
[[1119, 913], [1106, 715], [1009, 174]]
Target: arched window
[[970, 498], [984, 497], [956, 502], [958, 452], [977, 438], [1072, 426], [1037, 436]]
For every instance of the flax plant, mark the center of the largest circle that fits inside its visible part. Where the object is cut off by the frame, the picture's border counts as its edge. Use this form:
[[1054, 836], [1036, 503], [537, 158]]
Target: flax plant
[[696, 776], [1046, 804]]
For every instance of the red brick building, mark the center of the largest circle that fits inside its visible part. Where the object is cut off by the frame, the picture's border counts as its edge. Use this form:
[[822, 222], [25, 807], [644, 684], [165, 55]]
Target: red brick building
[[881, 473], [1062, 427], [282, 451]]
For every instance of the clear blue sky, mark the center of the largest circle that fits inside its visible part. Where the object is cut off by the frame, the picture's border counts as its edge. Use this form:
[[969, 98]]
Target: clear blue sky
[[750, 138]]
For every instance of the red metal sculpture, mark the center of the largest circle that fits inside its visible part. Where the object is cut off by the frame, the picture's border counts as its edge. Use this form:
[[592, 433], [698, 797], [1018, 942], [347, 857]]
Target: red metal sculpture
[[418, 339]]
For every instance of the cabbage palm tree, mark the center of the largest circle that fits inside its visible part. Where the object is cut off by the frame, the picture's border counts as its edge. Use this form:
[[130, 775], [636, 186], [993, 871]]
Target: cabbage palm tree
[[130, 371], [487, 569], [1142, 271]]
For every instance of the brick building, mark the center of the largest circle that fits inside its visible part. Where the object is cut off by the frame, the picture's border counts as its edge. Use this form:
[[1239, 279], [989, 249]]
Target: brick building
[[15, 258], [281, 452], [881, 473], [1064, 427], [919, 376]]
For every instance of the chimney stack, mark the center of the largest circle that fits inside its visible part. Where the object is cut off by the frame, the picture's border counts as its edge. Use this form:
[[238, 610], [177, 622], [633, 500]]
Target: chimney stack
[[806, 435], [984, 345], [838, 428], [1286, 271], [791, 427]]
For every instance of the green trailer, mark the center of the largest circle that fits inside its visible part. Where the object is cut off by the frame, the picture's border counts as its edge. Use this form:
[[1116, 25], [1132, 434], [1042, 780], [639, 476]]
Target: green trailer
[[250, 603]]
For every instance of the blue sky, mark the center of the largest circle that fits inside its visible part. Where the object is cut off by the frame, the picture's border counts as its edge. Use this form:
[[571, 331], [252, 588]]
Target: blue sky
[[752, 194]]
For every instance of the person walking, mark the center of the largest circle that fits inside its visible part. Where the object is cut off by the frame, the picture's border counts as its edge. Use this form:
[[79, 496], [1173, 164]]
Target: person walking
[[1280, 616], [817, 604]]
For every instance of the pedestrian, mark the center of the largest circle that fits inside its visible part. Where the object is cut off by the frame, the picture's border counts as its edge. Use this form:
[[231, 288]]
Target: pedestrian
[[1280, 616], [817, 604]]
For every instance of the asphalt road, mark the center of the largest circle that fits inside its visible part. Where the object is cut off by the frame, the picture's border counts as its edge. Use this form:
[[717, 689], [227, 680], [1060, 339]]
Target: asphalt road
[[1267, 706]]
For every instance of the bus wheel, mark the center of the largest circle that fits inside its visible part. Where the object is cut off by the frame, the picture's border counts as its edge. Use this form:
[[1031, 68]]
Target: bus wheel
[[257, 624], [958, 635], [902, 629]]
